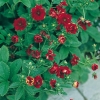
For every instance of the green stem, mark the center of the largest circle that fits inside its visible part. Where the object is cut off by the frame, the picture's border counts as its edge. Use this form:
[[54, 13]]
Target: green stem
[[81, 62], [83, 13], [10, 9], [81, 94]]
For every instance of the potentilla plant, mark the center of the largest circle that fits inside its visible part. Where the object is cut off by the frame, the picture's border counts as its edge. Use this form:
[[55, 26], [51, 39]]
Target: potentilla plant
[[46, 46]]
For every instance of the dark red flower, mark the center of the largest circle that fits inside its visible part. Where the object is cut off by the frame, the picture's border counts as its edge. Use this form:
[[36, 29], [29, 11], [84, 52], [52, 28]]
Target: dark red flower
[[55, 13], [76, 84], [74, 60], [94, 67], [61, 39], [53, 83], [52, 13], [38, 13], [62, 71], [38, 38], [63, 3], [38, 81], [54, 69], [20, 24], [71, 28], [35, 54], [50, 55], [29, 51], [29, 80], [64, 18], [15, 39], [95, 76], [84, 23]]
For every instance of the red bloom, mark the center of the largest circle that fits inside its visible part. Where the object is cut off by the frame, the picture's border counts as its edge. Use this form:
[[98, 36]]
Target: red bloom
[[38, 81], [29, 51], [61, 39], [94, 67], [52, 13], [84, 23], [64, 18], [63, 70], [76, 84], [53, 83], [20, 24], [54, 69], [15, 39], [55, 13], [38, 38], [63, 3], [50, 55], [35, 54], [29, 80], [38, 13], [74, 60], [71, 28]]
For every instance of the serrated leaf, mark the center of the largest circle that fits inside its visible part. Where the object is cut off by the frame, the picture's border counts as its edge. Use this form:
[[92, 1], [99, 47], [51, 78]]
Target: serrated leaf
[[4, 71], [84, 36], [63, 52], [4, 88], [4, 54], [19, 93], [2, 2], [92, 6], [93, 32], [15, 67], [26, 3], [14, 85]]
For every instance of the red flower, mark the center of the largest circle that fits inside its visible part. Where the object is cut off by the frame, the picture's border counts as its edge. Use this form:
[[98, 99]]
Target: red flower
[[50, 55], [35, 54], [64, 18], [94, 67], [38, 13], [15, 39], [55, 13], [29, 51], [38, 38], [63, 3], [53, 83], [63, 70], [29, 80], [54, 69], [61, 39], [52, 13], [95, 76], [76, 84], [38, 81], [74, 60], [71, 28], [84, 23], [20, 24]]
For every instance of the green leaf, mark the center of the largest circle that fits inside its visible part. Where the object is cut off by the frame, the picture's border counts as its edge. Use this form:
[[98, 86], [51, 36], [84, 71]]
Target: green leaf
[[4, 54], [4, 88], [16, 1], [2, 37], [73, 41], [64, 51], [93, 32], [26, 3], [84, 36], [14, 85], [2, 2], [19, 92], [4, 71], [10, 97], [15, 67], [92, 6]]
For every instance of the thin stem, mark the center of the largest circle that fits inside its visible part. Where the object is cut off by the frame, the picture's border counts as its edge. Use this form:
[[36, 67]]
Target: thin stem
[[10, 8], [83, 13], [81, 94]]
